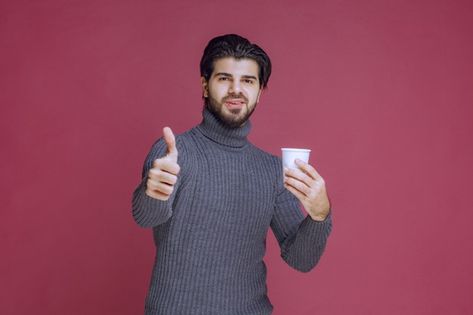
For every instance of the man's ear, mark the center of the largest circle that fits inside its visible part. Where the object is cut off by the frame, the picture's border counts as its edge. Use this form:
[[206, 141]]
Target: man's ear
[[205, 87]]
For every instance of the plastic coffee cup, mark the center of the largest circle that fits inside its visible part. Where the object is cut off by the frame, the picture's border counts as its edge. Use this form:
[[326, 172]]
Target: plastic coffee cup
[[289, 156]]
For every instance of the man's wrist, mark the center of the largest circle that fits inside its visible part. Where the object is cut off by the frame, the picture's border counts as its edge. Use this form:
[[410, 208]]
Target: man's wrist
[[320, 217]]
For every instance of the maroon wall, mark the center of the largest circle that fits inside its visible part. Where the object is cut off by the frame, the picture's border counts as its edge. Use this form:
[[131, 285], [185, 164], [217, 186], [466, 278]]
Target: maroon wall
[[380, 90]]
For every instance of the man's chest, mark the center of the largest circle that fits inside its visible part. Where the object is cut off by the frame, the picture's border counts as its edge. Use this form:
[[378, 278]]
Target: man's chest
[[239, 187]]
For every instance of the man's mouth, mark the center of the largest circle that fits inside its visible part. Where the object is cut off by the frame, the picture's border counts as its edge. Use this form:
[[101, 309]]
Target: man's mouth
[[235, 103]]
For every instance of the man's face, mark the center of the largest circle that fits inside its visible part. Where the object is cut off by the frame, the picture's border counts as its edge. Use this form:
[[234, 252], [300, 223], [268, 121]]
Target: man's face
[[233, 90]]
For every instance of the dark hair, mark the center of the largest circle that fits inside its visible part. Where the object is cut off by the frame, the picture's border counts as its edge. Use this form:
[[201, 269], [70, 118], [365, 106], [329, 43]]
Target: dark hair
[[232, 45]]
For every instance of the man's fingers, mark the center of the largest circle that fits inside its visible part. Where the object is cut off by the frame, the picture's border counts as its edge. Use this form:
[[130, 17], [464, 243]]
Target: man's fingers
[[162, 176], [299, 175], [300, 186], [167, 164], [299, 195], [164, 188], [170, 142], [308, 169], [160, 187]]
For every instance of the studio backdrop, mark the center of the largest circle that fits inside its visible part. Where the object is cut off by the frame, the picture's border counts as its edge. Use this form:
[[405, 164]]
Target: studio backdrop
[[381, 91]]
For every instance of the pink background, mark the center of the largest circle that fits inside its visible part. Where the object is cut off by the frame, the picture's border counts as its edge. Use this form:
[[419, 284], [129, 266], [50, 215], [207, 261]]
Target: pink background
[[380, 90]]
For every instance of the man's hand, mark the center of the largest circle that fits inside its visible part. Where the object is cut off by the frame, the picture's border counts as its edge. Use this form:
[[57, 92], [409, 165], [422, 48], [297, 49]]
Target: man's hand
[[163, 175], [309, 187]]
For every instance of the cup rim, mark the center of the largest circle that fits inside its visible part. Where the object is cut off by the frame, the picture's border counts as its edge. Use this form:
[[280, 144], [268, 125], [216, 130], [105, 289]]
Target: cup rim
[[296, 149]]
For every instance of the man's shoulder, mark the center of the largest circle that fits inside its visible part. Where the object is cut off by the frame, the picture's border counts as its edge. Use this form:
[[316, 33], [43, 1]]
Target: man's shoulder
[[270, 157], [185, 135]]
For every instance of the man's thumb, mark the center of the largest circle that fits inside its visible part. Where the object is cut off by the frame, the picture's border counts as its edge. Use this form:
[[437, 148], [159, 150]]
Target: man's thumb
[[170, 141]]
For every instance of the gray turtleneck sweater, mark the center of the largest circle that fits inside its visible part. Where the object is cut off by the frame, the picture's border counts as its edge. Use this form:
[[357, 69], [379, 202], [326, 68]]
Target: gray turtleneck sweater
[[210, 234]]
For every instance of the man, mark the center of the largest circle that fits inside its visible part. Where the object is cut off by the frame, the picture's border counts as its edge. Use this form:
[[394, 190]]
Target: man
[[211, 196]]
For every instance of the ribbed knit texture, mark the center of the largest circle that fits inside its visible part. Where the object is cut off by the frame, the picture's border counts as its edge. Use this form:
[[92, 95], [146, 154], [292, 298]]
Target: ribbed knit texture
[[211, 233]]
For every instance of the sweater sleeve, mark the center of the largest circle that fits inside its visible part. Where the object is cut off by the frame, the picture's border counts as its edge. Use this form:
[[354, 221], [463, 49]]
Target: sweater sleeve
[[302, 240], [147, 211]]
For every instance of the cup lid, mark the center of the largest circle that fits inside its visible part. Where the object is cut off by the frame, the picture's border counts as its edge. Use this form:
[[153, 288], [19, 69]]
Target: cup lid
[[295, 149]]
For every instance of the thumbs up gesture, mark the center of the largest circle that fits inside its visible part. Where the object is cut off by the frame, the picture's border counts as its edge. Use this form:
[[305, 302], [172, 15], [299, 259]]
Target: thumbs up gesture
[[163, 175]]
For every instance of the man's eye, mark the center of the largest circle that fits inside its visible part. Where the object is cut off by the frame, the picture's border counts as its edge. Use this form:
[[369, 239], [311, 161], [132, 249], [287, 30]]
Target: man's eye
[[222, 78], [249, 81]]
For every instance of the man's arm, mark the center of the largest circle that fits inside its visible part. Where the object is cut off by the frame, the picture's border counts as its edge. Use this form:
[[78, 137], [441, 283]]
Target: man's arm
[[153, 198], [302, 240]]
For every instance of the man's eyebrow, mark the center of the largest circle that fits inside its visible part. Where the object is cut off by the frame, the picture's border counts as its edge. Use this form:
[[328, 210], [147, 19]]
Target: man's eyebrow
[[225, 74]]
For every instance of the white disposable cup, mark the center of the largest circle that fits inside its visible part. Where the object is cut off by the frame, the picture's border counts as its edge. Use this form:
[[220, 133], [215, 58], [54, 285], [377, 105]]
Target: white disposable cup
[[289, 156]]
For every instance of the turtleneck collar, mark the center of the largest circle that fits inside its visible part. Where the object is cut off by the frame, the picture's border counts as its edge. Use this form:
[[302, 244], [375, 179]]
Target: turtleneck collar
[[215, 130]]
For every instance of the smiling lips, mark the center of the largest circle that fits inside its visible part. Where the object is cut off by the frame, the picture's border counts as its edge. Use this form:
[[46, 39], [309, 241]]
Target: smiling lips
[[235, 103]]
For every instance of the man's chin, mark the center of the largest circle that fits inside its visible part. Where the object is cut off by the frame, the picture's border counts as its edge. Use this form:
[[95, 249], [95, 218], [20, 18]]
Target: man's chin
[[233, 122], [232, 118], [235, 111]]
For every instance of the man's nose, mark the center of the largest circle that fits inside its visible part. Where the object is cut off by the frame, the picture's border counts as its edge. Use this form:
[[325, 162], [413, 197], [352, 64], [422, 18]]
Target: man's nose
[[235, 87]]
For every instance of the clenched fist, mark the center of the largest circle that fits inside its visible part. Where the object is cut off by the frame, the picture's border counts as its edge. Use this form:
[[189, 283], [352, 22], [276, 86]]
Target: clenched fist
[[163, 175]]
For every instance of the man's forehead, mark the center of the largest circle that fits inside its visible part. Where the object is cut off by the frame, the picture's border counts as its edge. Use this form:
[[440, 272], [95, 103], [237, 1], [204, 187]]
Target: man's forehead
[[231, 65]]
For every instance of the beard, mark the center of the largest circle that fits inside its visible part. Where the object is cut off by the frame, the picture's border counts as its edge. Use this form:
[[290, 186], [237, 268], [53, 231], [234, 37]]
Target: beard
[[235, 120]]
